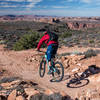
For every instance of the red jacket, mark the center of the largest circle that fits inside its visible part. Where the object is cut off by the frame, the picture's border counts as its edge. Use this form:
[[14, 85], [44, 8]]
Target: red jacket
[[45, 39]]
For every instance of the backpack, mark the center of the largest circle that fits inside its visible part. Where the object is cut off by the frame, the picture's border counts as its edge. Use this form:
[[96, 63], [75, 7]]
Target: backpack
[[53, 36]]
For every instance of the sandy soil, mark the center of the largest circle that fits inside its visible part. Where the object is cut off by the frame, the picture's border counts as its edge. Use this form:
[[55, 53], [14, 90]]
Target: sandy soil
[[17, 64]]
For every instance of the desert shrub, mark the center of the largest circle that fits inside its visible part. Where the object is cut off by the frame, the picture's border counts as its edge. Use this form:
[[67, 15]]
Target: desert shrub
[[91, 41], [66, 34], [2, 42], [27, 41], [89, 53]]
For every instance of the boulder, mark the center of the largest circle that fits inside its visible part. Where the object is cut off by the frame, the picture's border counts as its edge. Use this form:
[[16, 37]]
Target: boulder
[[49, 92], [71, 60], [3, 93], [66, 63], [31, 91], [12, 95], [20, 98], [75, 70], [10, 83]]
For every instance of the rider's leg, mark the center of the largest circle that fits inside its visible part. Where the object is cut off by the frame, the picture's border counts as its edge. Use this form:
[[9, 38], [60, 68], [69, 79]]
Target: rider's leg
[[49, 63], [51, 51], [49, 56]]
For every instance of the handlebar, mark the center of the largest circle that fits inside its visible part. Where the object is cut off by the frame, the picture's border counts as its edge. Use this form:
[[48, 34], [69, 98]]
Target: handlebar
[[41, 51]]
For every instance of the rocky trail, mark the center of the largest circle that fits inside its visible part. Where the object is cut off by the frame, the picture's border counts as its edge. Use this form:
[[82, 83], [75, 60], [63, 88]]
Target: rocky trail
[[24, 64]]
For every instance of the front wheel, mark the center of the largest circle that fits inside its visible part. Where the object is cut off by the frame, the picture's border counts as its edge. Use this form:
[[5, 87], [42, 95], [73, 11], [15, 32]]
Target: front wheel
[[77, 83], [58, 72], [42, 67]]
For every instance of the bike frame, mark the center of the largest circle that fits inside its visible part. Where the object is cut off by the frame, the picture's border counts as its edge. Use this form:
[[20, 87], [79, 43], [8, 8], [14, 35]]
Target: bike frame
[[54, 70], [47, 61]]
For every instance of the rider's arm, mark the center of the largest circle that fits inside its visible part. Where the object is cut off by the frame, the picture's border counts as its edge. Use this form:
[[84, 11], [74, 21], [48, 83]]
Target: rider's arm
[[44, 38]]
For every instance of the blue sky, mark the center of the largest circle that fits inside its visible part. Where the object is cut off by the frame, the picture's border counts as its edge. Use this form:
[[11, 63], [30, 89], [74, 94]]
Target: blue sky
[[51, 7]]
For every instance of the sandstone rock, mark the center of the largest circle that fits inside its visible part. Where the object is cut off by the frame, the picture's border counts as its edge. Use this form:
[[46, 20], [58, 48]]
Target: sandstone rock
[[75, 70], [3, 92], [79, 64], [20, 98], [78, 25], [63, 94], [33, 59], [10, 83], [49, 92], [66, 63], [72, 60], [63, 58], [12, 95], [30, 92]]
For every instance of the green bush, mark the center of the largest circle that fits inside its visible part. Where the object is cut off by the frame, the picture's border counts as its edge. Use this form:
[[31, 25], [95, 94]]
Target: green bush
[[27, 41], [66, 34], [91, 41], [2, 41], [90, 53]]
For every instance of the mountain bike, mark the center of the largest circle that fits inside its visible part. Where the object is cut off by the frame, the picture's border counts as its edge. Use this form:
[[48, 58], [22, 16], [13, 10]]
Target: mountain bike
[[56, 68], [77, 81]]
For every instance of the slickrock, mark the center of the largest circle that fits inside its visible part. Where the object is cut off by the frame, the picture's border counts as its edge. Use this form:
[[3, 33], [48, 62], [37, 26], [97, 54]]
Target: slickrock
[[10, 84], [12, 95], [20, 98], [49, 92], [31, 91]]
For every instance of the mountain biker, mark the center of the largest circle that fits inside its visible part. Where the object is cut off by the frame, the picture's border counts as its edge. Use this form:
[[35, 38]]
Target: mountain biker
[[51, 40]]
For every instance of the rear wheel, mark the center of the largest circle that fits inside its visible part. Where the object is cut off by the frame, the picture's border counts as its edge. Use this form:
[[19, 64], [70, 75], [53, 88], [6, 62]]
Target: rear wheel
[[76, 83], [58, 72], [42, 67]]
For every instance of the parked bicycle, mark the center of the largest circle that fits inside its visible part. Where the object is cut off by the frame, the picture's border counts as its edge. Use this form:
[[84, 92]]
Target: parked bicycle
[[56, 68], [77, 81]]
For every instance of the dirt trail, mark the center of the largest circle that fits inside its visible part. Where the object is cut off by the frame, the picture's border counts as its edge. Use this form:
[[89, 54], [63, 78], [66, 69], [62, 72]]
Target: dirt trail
[[16, 63]]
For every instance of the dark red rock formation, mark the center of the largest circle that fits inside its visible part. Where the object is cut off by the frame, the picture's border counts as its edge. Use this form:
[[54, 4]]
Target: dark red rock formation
[[81, 25], [75, 23]]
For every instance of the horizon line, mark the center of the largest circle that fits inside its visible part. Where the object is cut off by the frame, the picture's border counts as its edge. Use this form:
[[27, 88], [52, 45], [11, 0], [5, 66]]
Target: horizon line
[[43, 15]]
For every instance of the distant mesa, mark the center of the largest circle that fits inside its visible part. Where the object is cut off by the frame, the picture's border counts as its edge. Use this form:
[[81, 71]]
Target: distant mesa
[[75, 23], [10, 15]]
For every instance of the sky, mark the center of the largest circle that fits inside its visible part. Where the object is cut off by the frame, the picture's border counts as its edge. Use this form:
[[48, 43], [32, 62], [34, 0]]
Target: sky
[[73, 8]]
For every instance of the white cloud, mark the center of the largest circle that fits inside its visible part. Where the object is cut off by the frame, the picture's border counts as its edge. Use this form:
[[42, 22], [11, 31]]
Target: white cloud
[[87, 1], [84, 1], [7, 6], [91, 1], [70, 0], [92, 12], [29, 3], [60, 7], [32, 3]]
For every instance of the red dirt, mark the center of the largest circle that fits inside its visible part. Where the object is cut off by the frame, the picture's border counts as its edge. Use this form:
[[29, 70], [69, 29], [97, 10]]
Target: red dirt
[[17, 63]]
